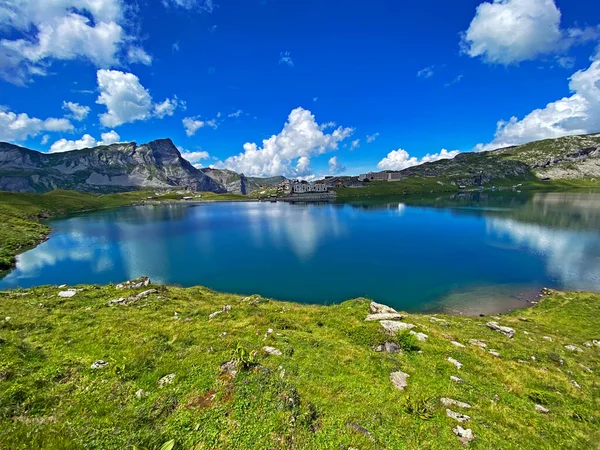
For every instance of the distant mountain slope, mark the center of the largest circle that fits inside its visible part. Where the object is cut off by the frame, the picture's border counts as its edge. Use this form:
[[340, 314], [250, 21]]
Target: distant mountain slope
[[116, 167], [570, 157], [239, 183]]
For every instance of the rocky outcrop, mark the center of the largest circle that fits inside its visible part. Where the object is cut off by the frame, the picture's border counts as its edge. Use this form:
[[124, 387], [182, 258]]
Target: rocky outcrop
[[239, 183], [110, 168]]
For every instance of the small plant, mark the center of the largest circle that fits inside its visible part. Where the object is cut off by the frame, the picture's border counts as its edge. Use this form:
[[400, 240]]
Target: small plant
[[243, 357], [408, 342], [419, 405]]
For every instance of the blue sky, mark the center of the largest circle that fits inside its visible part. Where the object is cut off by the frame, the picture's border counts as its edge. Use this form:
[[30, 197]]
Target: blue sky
[[416, 77]]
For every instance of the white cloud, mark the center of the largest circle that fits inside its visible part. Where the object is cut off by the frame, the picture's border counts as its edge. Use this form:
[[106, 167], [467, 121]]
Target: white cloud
[[455, 81], [212, 123], [86, 141], [289, 152], [400, 159], [372, 137], [565, 62], [45, 139], [355, 144], [286, 58], [335, 167], [168, 107], [110, 137], [18, 127], [78, 112], [126, 100], [175, 47], [43, 30], [207, 6], [236, 114], [137, 54], [577, 114], [427, 72], [193, 157], [192, 125], [512, 31], [64, 145]]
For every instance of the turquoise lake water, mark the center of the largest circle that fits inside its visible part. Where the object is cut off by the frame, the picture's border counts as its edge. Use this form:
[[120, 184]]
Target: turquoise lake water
[[457, 254]]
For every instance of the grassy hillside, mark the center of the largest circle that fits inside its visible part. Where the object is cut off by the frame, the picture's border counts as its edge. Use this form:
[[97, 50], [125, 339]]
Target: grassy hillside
[[21, 215], [325, 387]]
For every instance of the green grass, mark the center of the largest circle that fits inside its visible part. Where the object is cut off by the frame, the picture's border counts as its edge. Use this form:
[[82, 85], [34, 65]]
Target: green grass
[[21, 215], [326, 391]]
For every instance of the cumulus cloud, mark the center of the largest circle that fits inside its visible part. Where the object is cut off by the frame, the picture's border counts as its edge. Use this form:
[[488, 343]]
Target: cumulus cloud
[[400, 159], [236, 114], [335, 167], [427, 72], [126, 100], [45, 139], [192, 125], [86, 141], [355, 144], [512, 31], [77, 111], [193, 157], [42, 31], [289, 152], [18, 127], [286, 58], [577, 114], [372, 137], [207, 6], [110, 137]]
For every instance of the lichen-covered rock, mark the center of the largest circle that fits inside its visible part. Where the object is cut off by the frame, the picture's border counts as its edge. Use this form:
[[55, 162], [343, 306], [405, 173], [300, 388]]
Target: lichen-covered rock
[[378, 308], [383, 316], [67, 294], [272, 351], [100, 364], [167, 379], [451, 402], [399, 379], [394, 327], [507, 331], [455, 362], [464, 436], [457, 416]]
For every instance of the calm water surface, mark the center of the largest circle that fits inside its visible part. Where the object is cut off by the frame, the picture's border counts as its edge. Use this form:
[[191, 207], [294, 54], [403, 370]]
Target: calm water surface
[[462, 253]]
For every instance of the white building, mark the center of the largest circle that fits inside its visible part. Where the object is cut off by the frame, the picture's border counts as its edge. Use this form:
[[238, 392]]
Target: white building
[[304, 188]]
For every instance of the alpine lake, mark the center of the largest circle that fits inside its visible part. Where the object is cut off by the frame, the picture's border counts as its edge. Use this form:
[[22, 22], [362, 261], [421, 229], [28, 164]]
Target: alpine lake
[[469, 253]]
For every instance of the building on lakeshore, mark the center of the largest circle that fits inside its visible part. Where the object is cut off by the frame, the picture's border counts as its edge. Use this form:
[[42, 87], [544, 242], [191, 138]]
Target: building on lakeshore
[[306, 188], [388, 175]]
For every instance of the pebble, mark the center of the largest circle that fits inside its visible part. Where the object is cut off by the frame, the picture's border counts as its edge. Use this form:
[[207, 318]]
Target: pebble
[[272, 351], [586, 369], [99, 365], [167, 379], [399, 379], [547, 338], [464, 436], [390, 347], [141, 393], [457, 416], [494, 353], [455, 362], [588, 344], [576, 384], [458, 344], [451, 402], [456, 379]]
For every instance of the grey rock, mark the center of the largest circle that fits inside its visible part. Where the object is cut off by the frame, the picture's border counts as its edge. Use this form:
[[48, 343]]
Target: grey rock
[[389, 347], [383, 316], [573, 348], [134, 284], [67, 294], [100, 364], [272, 351], [575, 384], [455, 362], [378, 308], [399, 379], [458, 344], [588, 344], [226, 308], [547, 338], [494, 353], [420, 336], [359, 429], [124, 301], [394, 327], [140, 393], [451, 402], [167, 379], [477, 343], [457, 416], [229, 368], [464, 436], [456, 379], [541, 409], [586, 369], [507, 331]]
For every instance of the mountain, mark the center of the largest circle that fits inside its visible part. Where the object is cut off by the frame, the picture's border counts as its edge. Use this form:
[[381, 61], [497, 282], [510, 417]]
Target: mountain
[[570, 157], [109, 168], [239, 183]]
